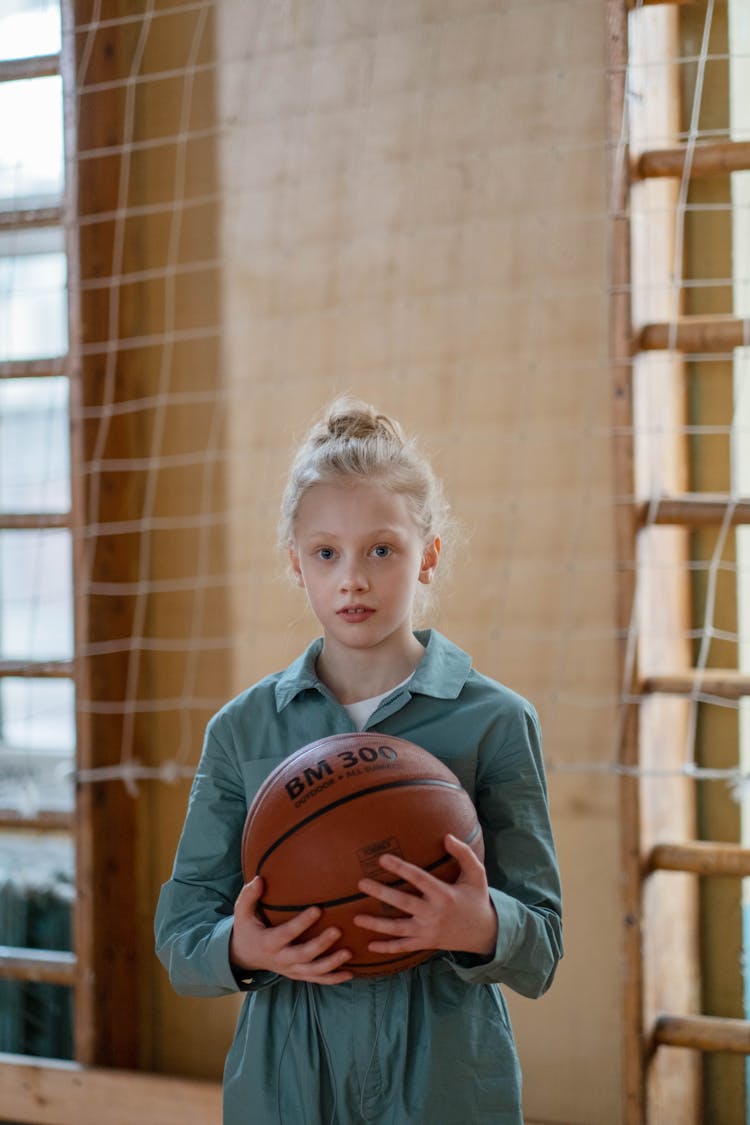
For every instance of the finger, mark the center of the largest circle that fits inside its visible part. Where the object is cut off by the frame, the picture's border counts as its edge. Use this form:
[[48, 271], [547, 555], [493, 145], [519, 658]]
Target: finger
[[252, 891], [399, 866], [391, 896], [471, 865], [249, 896], [330, 978], [308, 951], [398, 945], [396, 927], [322, 966], [288, 932], [410, 873]]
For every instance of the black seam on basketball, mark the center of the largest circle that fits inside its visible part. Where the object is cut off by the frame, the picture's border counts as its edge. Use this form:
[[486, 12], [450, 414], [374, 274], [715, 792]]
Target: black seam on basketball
[[417, 781], [295, 908], [347, 898]]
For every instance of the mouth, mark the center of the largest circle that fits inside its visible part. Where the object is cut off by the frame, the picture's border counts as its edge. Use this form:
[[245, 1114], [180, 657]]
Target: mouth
[[355, 613]]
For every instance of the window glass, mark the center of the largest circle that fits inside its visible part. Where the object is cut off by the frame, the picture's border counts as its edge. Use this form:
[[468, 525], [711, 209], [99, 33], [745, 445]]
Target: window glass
[[34, 445], [36, 620], [31, 142], [37, 715], [29, 27], [36, 898], [33, 294], [37, 744]]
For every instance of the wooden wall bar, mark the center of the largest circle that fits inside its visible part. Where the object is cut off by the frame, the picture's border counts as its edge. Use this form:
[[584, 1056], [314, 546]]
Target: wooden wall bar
[[45, 1092]]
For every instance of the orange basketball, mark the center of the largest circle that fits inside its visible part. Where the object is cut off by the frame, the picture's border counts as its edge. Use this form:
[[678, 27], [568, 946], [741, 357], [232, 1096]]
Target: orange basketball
[[325, 815]]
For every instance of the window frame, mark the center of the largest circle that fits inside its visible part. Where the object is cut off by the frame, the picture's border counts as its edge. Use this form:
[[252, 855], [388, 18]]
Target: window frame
[[101, 970], [20, 964]]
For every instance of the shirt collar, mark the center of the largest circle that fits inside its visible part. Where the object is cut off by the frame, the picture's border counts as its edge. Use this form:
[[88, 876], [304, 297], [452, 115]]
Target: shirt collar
[[441, 673]]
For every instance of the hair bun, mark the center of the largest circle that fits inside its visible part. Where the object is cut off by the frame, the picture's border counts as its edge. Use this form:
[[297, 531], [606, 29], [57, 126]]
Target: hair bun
[[351, 419]]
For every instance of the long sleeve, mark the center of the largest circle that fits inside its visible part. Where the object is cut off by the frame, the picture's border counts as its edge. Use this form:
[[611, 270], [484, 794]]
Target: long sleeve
[[195, 912], [520, 859]]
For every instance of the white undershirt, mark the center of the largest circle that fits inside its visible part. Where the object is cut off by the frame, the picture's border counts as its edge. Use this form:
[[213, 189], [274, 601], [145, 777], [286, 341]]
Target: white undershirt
[[363, 708]]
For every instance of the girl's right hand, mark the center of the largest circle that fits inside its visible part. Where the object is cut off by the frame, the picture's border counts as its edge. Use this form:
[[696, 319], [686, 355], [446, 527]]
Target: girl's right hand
[[277, 949]]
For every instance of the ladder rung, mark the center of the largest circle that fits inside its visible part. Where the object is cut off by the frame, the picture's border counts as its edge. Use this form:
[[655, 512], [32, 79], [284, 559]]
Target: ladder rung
[[695, 334], [706, 160], [700, 857], [703, 1033], [694, 509], [43, 966], [724, 683]]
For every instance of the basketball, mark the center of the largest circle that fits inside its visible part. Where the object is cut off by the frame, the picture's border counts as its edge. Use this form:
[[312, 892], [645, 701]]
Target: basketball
[[325, 815]]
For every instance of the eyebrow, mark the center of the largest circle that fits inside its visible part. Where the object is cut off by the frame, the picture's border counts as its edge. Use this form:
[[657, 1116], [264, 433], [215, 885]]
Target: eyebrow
[[378, 533]]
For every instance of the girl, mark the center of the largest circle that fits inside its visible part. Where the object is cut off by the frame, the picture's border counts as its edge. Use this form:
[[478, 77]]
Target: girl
[[361, 519]]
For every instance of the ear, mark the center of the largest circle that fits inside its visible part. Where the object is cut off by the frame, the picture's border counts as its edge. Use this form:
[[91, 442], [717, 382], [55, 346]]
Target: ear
[[296, 568], [430, 557]]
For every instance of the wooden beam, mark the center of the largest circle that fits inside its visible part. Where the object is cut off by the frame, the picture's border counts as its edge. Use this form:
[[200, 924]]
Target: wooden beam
[[703, 1033], [39, 965], [696, 335], [705, 160], [34, 368], [31, 521], [44, 821], [43, 670], [107, 998], [47, 1092], [31, 217], [621, 377], [700, 858], [694, 509], [724, 683], [39, 66]]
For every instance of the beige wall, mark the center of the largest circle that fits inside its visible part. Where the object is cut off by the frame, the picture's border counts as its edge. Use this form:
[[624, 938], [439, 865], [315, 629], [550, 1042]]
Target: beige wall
[[415, 209]]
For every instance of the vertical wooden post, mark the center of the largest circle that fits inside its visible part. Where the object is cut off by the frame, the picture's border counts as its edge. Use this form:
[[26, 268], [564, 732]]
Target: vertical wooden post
[[620, 336], [660, 958], [105, 931], [149, 310]]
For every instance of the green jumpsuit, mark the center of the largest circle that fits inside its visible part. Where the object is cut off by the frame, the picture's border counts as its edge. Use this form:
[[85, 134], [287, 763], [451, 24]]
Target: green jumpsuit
[[430, 1045]]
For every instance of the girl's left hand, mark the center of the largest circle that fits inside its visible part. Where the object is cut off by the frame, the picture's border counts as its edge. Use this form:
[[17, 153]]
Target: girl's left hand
[[453, 916]]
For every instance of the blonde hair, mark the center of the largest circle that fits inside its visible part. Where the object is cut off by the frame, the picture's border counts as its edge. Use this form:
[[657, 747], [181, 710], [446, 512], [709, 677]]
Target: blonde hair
[[354, 440]]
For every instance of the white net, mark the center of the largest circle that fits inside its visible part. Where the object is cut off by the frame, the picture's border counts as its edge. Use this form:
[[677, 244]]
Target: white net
[[410, 202]]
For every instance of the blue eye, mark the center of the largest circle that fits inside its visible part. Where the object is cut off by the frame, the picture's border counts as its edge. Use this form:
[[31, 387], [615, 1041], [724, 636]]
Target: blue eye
[[325, 553], [381, 551]]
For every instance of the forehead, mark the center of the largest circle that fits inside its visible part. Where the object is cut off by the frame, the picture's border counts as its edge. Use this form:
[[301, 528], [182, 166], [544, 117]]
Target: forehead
[[353, 507]]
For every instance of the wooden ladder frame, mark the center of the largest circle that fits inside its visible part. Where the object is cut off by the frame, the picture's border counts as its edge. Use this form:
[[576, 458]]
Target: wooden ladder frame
[[650, 692]]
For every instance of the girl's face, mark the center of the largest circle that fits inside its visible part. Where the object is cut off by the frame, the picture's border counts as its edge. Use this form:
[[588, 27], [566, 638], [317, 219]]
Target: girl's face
[[359, 555]]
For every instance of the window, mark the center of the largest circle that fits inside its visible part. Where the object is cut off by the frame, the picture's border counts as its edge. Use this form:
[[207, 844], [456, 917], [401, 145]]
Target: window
[[37, 696]]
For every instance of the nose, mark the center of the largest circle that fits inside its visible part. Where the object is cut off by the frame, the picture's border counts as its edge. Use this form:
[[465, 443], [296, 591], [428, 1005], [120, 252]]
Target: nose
[[354, 579]]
